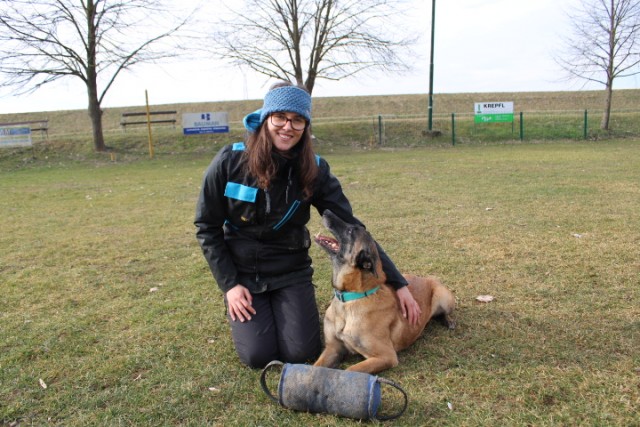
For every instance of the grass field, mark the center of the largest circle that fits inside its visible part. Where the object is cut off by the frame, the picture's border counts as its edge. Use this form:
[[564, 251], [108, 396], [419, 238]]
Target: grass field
[[109, 314]]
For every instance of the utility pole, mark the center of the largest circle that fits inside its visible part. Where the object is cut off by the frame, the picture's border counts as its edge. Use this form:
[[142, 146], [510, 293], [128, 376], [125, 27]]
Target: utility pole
[[433, 26]]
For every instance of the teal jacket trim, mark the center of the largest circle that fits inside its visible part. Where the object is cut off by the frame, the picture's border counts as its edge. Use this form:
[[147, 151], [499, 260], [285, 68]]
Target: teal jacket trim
[[288, 215], [240, 192]]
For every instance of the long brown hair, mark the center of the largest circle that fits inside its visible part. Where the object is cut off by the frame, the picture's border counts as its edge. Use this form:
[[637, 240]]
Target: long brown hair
[[261, 164]]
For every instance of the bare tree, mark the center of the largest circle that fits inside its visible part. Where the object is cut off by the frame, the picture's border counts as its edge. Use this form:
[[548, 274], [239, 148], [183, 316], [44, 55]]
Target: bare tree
[[42, 41], [329, 39], [604, 46]]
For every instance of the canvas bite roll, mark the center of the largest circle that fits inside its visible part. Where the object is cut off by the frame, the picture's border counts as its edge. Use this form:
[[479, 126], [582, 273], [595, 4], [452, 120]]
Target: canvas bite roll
[[332, 391]]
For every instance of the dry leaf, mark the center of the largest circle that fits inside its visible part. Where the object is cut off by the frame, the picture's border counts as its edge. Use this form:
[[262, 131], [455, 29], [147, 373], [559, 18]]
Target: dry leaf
[[42, 383], [484, 298]]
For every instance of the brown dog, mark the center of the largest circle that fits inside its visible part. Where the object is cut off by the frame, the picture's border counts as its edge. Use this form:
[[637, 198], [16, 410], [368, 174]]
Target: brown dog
[[364, 317]]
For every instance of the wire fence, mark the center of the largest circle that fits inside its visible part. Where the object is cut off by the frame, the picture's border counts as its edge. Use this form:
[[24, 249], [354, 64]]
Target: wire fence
[[383, 130], [461, 128]]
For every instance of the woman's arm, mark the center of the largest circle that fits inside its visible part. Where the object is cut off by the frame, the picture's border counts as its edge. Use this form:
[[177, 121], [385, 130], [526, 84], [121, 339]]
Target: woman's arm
[[209, 221]]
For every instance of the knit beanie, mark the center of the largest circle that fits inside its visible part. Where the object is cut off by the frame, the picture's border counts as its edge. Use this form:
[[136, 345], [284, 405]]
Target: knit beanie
[[284, 98]]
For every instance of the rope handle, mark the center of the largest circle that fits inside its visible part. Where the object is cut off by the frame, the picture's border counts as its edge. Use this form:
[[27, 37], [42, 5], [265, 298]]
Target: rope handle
[[406, 400], [263, 381]]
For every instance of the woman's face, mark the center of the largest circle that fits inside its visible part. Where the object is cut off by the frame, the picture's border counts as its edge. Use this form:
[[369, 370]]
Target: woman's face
[[285, 129]]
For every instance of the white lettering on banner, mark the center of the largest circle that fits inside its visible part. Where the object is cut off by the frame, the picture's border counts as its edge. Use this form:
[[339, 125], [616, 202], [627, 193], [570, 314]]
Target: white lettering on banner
[[14, 136], [493, 112], [201, 123]]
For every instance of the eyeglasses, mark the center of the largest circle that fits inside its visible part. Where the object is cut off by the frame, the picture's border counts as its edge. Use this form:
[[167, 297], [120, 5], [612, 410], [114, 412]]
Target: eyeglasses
[[280, 120]]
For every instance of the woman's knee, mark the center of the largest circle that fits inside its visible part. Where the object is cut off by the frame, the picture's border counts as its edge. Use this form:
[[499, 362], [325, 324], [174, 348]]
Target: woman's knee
[[256, 340], [256, 359], [301, 354]]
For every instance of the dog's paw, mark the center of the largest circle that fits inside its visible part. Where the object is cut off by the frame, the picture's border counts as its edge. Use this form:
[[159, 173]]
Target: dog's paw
[[450, 322]]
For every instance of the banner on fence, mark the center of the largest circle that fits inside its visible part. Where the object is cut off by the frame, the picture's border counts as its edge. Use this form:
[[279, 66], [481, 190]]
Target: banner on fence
[[493, 112], [201, 123], [14, 136]]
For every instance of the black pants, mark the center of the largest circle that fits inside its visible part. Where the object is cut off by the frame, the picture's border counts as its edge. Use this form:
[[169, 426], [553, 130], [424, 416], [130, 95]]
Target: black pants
[[286, 327]]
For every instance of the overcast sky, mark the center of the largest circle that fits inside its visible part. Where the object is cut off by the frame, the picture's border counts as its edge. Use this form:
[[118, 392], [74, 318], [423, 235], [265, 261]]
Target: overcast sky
[[481, 46]]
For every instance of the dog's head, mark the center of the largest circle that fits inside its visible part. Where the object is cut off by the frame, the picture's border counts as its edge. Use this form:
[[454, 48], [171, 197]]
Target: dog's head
[[353, 248]]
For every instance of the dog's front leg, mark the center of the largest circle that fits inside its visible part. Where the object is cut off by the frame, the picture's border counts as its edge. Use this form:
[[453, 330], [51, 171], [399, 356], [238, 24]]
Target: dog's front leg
[[373, 365], [378, 354], [332, 355]]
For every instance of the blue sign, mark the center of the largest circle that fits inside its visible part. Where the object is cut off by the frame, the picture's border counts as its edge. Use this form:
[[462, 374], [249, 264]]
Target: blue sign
[[15, 137], [203, 123]]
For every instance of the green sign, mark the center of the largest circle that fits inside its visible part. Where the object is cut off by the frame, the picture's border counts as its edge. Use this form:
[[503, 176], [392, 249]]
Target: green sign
[[493, 118], [493, 112]]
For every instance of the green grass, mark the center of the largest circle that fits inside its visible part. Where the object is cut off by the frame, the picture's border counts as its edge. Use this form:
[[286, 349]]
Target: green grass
[[107, 299]]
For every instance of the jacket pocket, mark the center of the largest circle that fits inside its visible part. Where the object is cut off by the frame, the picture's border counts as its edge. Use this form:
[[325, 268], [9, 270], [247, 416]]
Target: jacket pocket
[[241, 203]]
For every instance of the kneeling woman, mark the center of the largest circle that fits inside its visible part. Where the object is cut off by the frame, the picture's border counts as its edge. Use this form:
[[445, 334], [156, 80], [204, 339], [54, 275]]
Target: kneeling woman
[[251, 221]]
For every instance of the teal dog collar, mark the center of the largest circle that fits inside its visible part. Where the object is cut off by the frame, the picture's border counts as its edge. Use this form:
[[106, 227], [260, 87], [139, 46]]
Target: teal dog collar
[[352, 296]]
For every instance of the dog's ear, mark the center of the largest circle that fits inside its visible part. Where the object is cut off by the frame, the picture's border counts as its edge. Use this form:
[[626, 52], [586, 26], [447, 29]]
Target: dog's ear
[[366, 261]]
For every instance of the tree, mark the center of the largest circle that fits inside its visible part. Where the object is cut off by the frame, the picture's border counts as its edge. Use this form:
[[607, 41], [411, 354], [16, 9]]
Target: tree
[[42, 41], [604, 46], [329, 39]]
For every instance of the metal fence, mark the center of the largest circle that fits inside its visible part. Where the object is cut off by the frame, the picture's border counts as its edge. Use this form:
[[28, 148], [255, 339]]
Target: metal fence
[[411, 130], [398, 130]]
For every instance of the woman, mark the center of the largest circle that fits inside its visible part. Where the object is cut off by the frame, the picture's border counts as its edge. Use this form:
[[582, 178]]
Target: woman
[[251, 221]]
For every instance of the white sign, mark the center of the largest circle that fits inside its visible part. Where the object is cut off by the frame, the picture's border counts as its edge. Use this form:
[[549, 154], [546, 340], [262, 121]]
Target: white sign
[[493, 107], [201, 123], [14, 136], [486, 112]]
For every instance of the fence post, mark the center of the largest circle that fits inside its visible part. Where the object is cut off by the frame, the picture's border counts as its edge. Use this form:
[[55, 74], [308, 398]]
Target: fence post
[[380, 130], [146, 96], [521, 127], [586, 124], [453, 128]]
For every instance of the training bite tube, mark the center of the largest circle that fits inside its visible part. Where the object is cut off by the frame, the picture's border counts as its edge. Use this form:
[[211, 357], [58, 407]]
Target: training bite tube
[[332, 391]]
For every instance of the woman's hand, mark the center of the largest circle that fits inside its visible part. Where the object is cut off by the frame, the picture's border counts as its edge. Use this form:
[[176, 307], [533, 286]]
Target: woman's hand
[[408, 305], [239, 301]]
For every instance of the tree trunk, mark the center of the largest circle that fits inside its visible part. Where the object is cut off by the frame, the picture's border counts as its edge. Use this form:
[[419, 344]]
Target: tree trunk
[[311, 80], [604, 124], [95, 114], [611, 58]]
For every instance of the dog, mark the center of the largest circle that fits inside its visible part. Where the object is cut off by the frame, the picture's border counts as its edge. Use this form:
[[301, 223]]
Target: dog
[[364, 316]]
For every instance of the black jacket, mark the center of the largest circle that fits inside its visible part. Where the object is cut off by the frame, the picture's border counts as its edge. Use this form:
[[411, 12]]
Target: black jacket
[[259, 238]]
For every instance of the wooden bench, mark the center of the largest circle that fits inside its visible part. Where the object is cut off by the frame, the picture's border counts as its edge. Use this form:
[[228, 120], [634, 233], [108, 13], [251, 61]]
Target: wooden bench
[[41, 126], [125, 119]]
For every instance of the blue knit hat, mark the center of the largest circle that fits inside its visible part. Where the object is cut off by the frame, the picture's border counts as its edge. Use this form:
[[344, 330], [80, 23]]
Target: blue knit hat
[[284, 98]]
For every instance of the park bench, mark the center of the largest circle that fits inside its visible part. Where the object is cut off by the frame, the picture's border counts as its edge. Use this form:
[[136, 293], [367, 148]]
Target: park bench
[[134, 118], [41, 126]]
